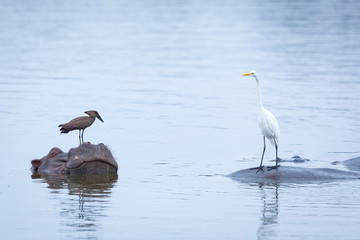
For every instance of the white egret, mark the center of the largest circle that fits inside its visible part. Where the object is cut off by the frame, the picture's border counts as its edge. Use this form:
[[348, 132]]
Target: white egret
[[268, 125]]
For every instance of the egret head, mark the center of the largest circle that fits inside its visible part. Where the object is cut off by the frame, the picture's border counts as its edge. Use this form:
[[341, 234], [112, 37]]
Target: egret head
[[252, 74]]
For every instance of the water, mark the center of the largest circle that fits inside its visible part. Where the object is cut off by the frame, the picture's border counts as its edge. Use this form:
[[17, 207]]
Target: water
[[166, 76]]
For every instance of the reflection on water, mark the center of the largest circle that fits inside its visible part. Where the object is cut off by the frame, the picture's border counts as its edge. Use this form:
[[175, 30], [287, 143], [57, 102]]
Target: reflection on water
[[270, 211], [166, 76], [88, 196]]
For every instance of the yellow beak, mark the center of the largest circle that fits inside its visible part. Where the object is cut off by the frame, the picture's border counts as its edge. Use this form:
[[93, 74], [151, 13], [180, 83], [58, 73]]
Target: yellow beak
[[246, 74]]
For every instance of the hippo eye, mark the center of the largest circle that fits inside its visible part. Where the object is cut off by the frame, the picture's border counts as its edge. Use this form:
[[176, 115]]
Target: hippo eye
[[54, 152]]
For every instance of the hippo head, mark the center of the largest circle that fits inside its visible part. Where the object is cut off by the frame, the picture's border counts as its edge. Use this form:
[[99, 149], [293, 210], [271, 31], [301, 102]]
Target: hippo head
[[85, 159], [54, 161], [91, 159]]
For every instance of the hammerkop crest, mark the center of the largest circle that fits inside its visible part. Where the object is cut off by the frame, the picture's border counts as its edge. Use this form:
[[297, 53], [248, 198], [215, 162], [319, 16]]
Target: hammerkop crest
[[80, 123]]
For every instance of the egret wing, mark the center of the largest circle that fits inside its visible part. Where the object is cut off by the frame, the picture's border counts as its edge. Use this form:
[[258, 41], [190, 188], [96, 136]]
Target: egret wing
[[269, 126]]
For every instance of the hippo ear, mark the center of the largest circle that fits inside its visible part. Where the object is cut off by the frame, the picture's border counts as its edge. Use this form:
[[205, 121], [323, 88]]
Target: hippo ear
[[53, 152], [36, 164]]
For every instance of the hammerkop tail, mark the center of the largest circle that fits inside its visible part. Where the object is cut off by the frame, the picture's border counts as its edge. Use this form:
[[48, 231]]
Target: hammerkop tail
[[80, 123]]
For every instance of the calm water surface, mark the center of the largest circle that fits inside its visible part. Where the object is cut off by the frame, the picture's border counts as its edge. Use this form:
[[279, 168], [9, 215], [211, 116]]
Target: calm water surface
[[166, 76]]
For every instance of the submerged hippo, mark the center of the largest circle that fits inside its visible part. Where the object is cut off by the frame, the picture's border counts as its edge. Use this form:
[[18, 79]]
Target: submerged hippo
[[86, 159], [352, 164], [294, 175]]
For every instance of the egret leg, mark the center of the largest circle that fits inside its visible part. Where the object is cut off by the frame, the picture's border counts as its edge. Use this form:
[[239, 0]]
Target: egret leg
[[261, 167], [276, 160]]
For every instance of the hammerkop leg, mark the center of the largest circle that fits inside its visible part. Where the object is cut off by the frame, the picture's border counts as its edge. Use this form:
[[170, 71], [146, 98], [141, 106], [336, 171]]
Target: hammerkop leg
[[82, 135]]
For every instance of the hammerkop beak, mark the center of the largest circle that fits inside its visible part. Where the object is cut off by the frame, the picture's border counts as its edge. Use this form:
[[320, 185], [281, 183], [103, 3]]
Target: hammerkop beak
[[80, 123]]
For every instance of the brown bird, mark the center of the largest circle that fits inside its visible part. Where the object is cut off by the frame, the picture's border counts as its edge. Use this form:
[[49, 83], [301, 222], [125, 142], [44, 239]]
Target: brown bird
[[80, 123]]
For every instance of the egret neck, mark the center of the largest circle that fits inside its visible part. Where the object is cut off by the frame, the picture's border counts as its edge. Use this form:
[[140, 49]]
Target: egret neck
[[259, 96]]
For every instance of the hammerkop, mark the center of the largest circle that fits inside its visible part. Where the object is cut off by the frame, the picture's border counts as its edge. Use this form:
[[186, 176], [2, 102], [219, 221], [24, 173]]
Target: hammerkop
[[80, 123]]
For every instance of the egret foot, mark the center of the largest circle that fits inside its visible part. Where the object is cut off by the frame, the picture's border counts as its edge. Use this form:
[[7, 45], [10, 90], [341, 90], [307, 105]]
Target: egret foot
[[273, 167], [258, 168]]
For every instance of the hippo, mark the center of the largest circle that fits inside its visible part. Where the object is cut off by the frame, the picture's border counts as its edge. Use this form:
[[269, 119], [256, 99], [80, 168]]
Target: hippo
[[352, 164], [87, 159], [293, 175]]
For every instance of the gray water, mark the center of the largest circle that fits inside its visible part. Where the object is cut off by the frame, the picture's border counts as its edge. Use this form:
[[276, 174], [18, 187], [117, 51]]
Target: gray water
[[166, 77]]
